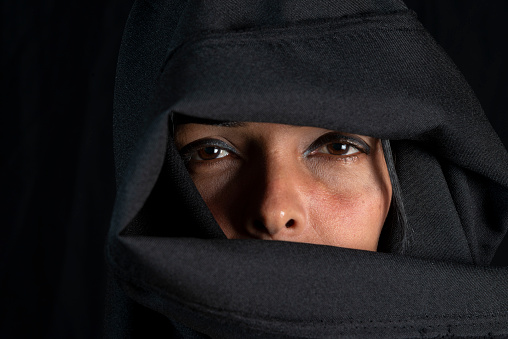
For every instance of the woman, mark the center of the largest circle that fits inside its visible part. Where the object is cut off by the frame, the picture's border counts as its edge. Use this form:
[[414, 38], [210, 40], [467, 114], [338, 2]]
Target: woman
[[291, 183], [364, 71]]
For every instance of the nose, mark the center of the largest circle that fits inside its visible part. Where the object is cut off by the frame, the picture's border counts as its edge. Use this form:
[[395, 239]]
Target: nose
[[280, 212]]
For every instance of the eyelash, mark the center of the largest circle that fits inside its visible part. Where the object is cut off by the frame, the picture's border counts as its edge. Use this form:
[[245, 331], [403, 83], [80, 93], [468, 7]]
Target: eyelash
[[336, 138], [190, 151]]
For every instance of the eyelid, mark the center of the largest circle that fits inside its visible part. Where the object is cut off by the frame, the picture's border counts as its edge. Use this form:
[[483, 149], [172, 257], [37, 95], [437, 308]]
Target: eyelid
[[187, 150], [334, 137]]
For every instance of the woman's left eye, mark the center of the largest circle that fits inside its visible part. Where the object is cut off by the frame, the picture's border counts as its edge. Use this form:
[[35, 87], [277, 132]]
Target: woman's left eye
[[338, 144], [338, 148]]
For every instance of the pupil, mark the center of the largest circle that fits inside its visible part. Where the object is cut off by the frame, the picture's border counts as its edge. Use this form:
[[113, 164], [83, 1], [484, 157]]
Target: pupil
[[339, 147], [211, 150]]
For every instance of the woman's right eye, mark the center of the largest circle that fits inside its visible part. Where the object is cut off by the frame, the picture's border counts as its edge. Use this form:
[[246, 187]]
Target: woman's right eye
[[206, 150], [208, 153]]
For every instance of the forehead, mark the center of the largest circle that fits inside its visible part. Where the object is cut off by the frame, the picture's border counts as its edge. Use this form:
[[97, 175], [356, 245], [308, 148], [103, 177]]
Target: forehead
[[189, 123], [243, 129]]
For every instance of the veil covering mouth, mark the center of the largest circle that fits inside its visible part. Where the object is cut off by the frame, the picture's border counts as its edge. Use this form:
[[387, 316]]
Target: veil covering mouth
[[362, 66]]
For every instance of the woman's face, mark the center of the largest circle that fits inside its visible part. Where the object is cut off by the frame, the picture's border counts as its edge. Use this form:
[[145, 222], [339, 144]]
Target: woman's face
[[290, 183]]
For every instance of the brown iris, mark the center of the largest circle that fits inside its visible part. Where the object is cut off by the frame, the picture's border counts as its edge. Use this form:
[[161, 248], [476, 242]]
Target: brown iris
[[209, 153], [337, 148]]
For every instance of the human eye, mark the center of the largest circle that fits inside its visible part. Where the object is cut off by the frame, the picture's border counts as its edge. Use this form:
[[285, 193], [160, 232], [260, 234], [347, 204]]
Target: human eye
[[205, 150], [339, 145]]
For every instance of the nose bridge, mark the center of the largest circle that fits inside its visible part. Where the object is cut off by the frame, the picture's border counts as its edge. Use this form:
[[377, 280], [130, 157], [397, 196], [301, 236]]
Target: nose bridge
[[281, 210], [279, 179]]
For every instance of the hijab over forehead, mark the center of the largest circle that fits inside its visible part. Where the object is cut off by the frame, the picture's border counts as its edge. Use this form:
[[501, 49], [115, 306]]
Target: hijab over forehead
[[365, 67]]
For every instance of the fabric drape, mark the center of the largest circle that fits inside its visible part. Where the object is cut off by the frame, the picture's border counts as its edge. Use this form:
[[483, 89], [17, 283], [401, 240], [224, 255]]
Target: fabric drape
[[365, 67]]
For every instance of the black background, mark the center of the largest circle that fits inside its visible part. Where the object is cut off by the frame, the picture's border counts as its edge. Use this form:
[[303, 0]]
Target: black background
[[57, 188]]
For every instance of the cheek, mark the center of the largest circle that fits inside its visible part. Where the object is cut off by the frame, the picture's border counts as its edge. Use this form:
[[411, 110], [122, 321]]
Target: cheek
[[223, 194], [349, 210], [216, 182]]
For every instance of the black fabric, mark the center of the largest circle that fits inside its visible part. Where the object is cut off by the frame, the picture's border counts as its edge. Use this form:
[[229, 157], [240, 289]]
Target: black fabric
[[57, 186], [316, 64]]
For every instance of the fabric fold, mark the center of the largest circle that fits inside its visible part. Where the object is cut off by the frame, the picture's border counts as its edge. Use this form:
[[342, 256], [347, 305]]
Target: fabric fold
[[365, 67]]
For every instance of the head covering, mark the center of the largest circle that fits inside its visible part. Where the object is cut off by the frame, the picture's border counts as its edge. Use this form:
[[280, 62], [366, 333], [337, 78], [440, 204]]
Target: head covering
[[362, 66]]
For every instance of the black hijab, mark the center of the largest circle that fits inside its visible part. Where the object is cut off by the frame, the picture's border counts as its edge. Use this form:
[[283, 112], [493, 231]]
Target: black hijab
[[363, 66]]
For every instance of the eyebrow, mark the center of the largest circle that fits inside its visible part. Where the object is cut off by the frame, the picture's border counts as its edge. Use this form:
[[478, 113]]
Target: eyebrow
[[230, 124], [180, 119]]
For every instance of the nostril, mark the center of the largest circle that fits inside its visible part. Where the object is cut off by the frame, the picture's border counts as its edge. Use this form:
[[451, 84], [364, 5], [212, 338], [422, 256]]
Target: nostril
[[290, 223]]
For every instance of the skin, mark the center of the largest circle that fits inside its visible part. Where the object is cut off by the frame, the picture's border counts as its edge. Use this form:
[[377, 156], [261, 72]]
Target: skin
[[289, 183]]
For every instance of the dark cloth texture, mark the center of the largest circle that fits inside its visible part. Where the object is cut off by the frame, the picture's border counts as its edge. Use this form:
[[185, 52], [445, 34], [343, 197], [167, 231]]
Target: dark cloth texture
[[366, 67], [57, 84]]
